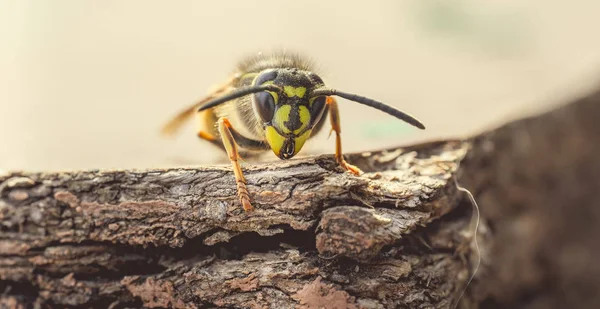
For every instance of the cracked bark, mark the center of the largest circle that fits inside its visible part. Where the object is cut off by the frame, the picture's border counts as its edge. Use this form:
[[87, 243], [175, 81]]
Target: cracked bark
[[396, 237]]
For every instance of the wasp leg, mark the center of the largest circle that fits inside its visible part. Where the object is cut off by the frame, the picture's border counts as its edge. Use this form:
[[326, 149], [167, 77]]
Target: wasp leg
[[334, 116], [231, 148], [245, 143]]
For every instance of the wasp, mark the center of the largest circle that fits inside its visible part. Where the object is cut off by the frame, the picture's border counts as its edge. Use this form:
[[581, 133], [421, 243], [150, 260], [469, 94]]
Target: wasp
[[272, 102]]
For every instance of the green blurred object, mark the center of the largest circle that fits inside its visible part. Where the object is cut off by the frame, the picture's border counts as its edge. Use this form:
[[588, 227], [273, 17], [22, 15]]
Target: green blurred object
[[498, 31], [446, 17]]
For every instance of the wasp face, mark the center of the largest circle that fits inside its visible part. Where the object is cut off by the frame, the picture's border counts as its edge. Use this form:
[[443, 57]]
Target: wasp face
[[288, 117]]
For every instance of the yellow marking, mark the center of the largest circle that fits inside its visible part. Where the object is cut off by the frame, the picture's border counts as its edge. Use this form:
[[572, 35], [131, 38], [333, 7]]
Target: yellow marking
[[294, 91], [300, 91], [304, 118], [300, 140], [281, 116], [274, 139]]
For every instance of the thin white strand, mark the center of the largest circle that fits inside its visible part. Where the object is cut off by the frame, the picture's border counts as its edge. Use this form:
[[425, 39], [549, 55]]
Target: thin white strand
[[474, 225]]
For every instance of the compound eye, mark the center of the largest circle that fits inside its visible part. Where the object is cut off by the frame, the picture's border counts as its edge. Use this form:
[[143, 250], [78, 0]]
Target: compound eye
[[317, 108], [265, 105]]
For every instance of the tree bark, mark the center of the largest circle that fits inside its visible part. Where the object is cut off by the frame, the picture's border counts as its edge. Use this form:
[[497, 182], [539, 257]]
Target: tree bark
[[537, 181], [398, 236]]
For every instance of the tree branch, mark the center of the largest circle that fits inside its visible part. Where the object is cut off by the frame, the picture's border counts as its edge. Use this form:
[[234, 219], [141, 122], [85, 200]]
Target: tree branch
[[395, 237], [179, 238]]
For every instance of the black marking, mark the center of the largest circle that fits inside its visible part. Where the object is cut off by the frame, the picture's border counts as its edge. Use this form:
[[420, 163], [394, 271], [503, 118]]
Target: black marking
[[293, 122]]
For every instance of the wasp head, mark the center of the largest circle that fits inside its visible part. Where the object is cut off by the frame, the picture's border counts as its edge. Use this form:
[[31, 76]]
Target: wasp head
[[288, 116]]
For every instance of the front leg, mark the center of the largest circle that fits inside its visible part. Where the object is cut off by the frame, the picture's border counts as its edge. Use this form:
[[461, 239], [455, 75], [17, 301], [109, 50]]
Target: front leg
[[334, 115], [231, 148]]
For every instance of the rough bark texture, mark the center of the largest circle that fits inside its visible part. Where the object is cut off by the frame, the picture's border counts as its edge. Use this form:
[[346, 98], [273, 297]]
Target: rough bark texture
[[395, 237], [537, 182], [179, 238]]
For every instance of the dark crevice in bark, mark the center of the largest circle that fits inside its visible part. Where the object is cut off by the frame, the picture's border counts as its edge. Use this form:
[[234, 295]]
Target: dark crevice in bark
[[25, 291]]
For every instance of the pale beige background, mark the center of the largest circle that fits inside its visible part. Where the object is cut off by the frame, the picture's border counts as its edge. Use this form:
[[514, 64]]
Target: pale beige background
[[87, 84]]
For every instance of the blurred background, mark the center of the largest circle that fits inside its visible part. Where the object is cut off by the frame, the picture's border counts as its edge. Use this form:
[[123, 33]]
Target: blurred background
[[88, 84]]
